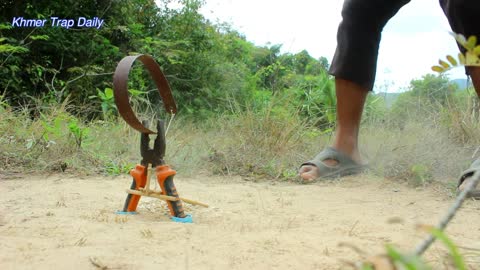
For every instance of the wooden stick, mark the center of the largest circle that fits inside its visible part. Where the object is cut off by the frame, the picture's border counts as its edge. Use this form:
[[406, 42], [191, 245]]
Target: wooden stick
[[147, 185], [164, 197], [152, 194], [194, 202]]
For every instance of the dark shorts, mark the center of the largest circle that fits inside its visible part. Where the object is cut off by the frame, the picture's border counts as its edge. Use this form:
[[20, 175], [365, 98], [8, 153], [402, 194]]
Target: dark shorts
[[359, 33]]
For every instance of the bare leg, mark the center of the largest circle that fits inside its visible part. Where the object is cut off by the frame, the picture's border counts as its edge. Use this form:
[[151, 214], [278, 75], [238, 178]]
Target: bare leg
[[475, 74], [350, 100]]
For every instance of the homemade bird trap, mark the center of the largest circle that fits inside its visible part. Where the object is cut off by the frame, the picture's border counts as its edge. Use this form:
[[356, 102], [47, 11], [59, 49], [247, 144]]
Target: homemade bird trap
[[152, 158]]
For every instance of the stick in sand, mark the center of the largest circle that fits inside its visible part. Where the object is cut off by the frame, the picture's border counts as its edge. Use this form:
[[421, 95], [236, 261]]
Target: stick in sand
[[164, 197]]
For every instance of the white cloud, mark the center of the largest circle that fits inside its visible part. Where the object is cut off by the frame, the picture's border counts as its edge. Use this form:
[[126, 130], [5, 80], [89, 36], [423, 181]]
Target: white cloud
[[298, 25], [412, 41]]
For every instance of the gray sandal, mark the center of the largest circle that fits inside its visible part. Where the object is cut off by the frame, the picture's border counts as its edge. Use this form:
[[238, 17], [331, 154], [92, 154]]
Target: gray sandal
[[346, 166], [468, 173]]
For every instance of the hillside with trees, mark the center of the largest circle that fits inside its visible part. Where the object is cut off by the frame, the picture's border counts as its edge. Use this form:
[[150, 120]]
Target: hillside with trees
[[208, 65]]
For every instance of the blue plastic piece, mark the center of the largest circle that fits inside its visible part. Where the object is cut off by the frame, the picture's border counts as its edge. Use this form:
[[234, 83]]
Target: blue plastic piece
[[187, 219], [125, 213]]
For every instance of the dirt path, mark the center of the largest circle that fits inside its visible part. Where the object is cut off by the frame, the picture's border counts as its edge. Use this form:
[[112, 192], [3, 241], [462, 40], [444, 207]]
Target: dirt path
[[60, 222]]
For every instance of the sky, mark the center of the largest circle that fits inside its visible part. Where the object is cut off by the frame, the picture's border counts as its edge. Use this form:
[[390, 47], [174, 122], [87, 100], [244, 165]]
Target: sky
[[411, 43]]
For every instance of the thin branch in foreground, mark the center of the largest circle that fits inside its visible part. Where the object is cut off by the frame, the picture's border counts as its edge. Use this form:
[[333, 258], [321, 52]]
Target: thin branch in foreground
[[450, 214]]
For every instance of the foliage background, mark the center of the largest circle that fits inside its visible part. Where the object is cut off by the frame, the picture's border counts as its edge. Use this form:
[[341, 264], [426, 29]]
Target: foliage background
[[254, 110]]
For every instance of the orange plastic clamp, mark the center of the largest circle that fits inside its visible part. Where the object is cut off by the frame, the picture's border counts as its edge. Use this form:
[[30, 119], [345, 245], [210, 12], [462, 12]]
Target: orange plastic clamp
[[163, 172], [139, 174]]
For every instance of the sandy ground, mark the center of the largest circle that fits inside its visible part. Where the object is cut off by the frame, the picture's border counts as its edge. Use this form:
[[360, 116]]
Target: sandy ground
[[65, 222]]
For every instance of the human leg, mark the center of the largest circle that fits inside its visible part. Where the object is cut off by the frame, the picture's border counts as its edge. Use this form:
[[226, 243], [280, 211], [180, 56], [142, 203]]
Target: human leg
[[465, 178], [463, 18], [350, 100], [354, 67]]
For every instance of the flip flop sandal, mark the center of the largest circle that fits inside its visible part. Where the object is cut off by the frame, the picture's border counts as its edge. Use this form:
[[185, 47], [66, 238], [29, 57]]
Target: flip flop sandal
[[345, 165], [468, 173]]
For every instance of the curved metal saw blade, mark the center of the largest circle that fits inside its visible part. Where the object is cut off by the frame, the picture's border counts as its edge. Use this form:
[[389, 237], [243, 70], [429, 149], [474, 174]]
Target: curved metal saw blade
[[120, 79]]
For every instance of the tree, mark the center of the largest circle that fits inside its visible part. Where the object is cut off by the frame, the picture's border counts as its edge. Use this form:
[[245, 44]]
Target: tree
[[324, 62], [433, 88], [207, 65], [425, 98]]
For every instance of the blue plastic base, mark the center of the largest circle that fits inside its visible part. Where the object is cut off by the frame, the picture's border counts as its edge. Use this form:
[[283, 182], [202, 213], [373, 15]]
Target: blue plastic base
[[125, 213], [187, 219]]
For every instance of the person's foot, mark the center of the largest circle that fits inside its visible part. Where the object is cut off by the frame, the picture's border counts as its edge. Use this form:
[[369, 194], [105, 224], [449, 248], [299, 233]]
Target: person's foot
[[310, 172], [475, 193], [466, 179]]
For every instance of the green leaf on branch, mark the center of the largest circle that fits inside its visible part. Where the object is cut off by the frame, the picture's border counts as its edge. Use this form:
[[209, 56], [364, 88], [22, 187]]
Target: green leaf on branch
[[76, 70], [135, 92], [444, 64], [452, 248], [39, 37], [476, 50], [452, 60], [5, 26], [108, 93], [7, 48], [409, 262], [438, 69], [461, 58], [460, 39], [471, 42], [470, 58]]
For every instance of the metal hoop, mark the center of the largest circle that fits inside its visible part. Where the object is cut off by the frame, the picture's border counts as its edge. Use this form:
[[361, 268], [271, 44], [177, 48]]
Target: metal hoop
[[120, 79]]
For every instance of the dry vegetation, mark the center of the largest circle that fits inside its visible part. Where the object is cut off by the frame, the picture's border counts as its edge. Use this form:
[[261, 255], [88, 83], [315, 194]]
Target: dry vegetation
[[254, 144]]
